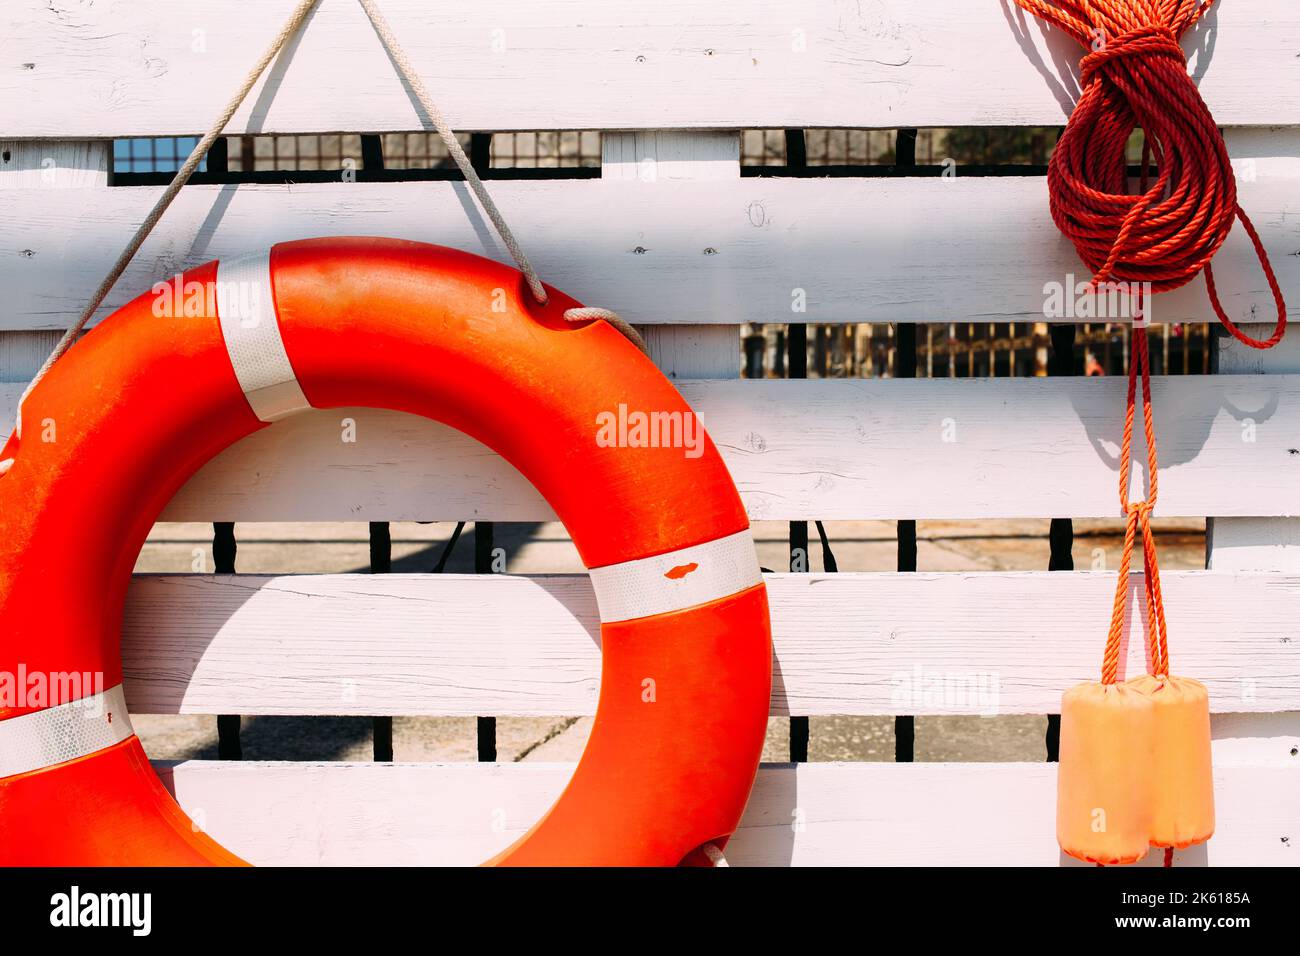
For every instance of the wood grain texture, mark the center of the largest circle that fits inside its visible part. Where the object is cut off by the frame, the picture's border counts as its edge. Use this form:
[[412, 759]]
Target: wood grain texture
[[654, 157], [21, 355], [816, 814], [658, 156], [849, 643], [129, 67], [1255, 543], [843, 250], [830, 449], [57, 164], [1256, 739], [693, 351], [40, 167]]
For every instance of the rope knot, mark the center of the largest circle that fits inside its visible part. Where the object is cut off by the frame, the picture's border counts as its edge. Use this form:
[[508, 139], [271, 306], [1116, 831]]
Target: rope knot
[[1147, 41]]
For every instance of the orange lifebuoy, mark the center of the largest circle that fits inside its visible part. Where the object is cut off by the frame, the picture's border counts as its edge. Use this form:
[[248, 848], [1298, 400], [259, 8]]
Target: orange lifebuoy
[[143, 401]]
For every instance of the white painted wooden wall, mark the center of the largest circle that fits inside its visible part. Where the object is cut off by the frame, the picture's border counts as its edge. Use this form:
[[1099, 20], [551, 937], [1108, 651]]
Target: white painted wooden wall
[[677, 79]]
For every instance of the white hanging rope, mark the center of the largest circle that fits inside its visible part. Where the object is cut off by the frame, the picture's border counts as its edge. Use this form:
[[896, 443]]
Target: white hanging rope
[[454, 149], [180, 179], [200, 150], [457, 153]]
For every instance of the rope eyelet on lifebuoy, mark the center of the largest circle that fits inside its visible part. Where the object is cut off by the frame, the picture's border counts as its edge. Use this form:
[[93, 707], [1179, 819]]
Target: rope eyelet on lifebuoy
[[147, 398]]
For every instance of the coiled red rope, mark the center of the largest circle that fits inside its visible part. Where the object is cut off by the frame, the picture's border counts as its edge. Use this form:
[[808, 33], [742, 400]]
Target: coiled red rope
[[1164, 234], [1136, 75]]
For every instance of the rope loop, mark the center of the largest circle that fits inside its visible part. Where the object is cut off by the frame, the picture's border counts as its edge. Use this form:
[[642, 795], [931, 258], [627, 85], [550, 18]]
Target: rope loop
[[1280, 329]]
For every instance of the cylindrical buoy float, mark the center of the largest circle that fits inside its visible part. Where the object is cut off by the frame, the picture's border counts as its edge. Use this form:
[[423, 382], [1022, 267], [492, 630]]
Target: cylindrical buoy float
[[1105, 796], [1134, 755], [1183, 798]]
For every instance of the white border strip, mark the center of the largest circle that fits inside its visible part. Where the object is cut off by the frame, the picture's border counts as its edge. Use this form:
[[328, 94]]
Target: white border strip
[[668, 582], [58, 734], [251, 328]]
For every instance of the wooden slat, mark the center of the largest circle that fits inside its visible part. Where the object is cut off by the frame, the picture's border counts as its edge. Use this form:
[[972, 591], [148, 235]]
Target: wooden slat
[[849, 643], [1256, 739], [1254, 543], [21, 354], [653, 159], [694, 351], [136, 68], [826, 449], [1257, 543], [46, 165], [803, 815], [41, 168], [1235, 358], [664, 156], [861, 250]]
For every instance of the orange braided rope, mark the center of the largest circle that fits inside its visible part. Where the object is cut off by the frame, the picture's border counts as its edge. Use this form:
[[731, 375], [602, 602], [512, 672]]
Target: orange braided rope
[[1137, 514]]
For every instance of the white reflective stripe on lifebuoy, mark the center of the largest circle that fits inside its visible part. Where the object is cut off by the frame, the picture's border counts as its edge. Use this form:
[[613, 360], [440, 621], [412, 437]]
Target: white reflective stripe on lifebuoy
[[58, 734], [678, 579], [251, 328]]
